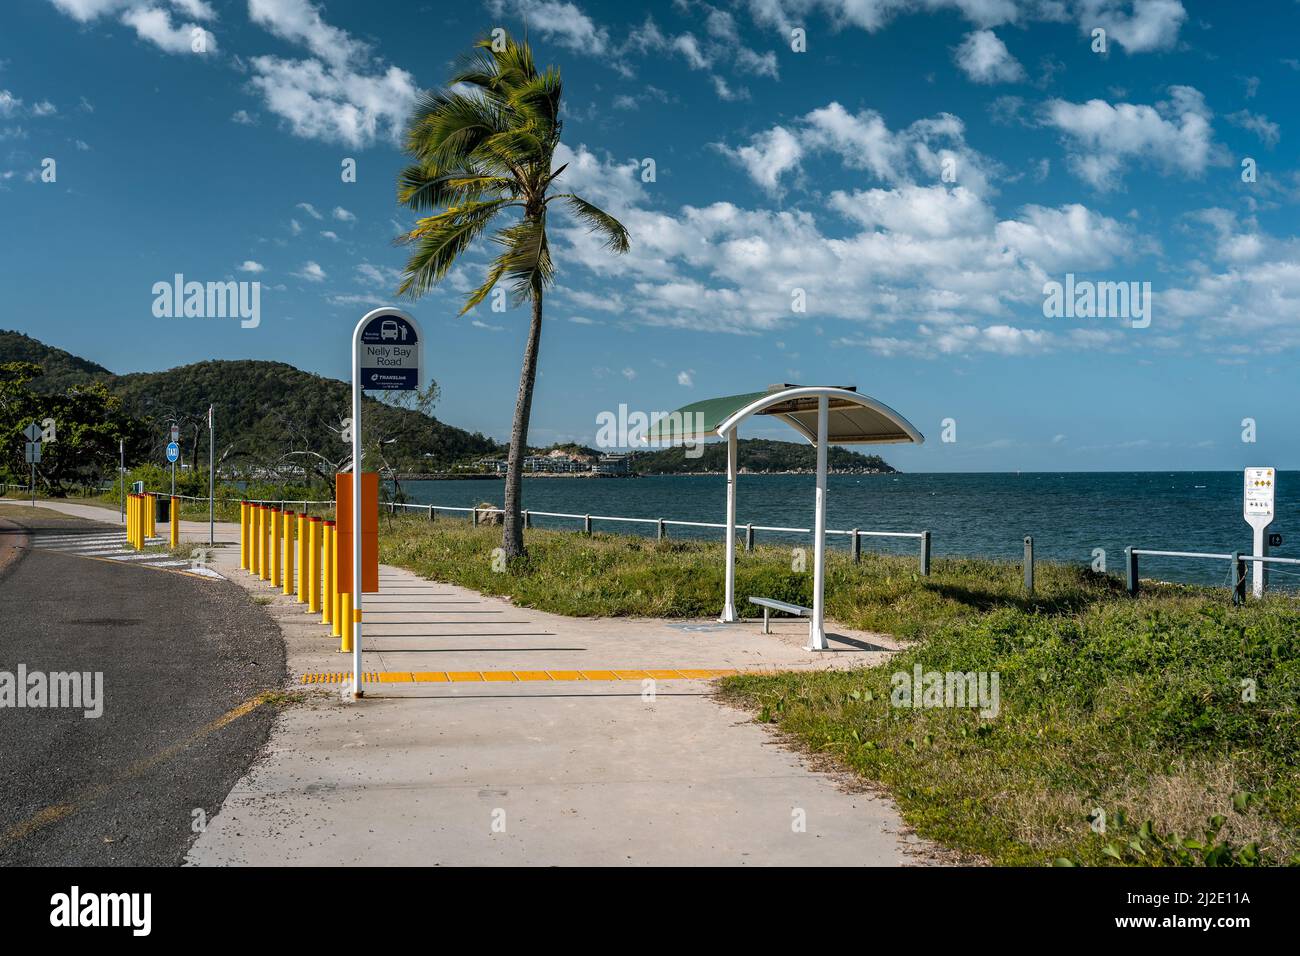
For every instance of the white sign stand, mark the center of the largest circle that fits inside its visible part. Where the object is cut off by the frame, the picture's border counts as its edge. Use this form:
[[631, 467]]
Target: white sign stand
[[1258, 510], [387, 367]]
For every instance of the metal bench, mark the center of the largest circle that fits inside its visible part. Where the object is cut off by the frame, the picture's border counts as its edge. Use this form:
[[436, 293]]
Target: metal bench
[[771, 604]]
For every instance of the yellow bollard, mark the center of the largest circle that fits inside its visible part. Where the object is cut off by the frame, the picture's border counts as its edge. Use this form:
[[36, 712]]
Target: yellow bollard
[[130, 520], [150, 513], [263, 544], [275, 547], [243, 536], [255, 536], [312, 567], [287, 570], [302, 558], [175, 522], [327, 573], [345, 615]]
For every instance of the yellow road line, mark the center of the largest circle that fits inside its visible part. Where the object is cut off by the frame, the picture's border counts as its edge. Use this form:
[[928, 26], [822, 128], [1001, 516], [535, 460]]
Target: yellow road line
[[443, 677], [58, 812]]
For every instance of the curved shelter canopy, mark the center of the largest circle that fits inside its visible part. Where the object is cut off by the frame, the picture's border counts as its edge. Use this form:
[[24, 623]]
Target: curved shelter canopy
[[823, 414], [852, 418]]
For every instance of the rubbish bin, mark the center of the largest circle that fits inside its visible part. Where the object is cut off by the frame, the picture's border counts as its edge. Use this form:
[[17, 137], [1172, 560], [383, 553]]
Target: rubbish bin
[[162, 509]]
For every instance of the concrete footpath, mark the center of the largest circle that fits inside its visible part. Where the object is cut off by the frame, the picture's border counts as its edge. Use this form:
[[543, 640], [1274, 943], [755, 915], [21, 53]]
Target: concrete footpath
[[502, 735]]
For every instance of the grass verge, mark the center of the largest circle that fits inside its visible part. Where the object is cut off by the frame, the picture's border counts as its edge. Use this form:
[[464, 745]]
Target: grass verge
[[1162, 730]]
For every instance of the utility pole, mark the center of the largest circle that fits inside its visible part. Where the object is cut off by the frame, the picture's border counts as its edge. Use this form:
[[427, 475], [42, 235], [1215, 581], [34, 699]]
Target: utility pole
[[212, 475]]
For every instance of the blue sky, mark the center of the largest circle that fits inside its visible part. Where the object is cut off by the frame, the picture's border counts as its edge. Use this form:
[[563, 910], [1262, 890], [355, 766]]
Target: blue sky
[[774, 171]]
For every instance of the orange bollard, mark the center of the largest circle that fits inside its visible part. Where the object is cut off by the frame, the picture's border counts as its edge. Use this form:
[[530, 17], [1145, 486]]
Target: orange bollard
[[174, 522]]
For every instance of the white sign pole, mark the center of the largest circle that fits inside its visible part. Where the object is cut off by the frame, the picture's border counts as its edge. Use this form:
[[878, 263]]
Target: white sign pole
[[390, 367], [1258, 508], [357, 689]]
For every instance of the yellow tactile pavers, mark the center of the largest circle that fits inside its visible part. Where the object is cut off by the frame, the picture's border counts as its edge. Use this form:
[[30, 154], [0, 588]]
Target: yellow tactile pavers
[[443, 677]]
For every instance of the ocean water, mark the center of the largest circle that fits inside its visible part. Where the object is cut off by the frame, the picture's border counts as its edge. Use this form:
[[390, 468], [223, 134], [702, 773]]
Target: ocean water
[[984, 515]]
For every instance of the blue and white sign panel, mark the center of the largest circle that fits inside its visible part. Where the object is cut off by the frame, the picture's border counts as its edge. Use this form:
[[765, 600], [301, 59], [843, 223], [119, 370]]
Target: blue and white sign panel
[[391, 353], [173, 451]]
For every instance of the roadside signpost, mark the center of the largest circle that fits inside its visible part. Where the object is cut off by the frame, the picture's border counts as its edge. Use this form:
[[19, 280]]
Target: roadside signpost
[[1258, 510], [174, 452], [33, 433], [387, 355]]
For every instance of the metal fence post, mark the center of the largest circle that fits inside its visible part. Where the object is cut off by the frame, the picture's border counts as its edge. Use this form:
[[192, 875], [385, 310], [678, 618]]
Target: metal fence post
[[528, 520], [430, 512], [1131, 571], [925, 554], [1029, 564], [1238, 579], [474, 517], [586, 524], [660, 531], [749, 536], [856, 546]]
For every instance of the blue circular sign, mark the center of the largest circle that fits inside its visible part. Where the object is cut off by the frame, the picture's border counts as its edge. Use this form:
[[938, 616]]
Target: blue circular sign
[[173, 451]]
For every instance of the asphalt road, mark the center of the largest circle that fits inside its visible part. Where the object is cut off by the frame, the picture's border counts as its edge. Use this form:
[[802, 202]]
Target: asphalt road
[[177, 655]]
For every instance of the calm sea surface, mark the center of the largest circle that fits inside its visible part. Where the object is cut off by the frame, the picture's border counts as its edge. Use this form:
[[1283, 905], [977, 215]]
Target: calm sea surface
[[984, 515]]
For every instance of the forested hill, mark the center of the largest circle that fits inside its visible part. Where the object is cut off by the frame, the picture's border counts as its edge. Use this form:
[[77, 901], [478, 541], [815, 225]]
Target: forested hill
[[265, 410], [758, 455]]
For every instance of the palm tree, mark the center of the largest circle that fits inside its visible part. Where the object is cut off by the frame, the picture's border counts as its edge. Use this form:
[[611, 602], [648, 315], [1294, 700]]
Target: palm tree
[[484, 145]]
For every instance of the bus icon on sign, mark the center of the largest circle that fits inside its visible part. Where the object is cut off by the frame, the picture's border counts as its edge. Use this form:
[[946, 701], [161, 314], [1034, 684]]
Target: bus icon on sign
[[388, 330]]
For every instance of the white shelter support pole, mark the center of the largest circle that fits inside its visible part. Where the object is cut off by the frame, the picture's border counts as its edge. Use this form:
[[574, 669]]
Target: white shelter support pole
[[729, 607], [816, 630], [357, 689]]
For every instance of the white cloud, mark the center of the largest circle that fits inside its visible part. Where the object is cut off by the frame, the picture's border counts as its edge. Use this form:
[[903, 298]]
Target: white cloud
[[1152, 25], [344, 95], [1103, 138], [933, 212], [864, 141], [930, 258], [312, 272], [335, 105], [309, 209], [768, 156], [984, 58], [155, 25], [342, 215], [1268, 132], [243, 118], [44, 108], [331, 236], [629, 373], [9, 104], [686, 378], [248, 265], [386, 277], [300, 21], [561, 23]]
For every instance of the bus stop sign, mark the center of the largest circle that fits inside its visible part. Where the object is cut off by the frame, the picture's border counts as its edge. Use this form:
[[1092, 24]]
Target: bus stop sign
[[391, 353]]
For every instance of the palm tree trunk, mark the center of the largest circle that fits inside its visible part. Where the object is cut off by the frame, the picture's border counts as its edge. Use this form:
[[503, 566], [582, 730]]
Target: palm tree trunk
[[512, 535]]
